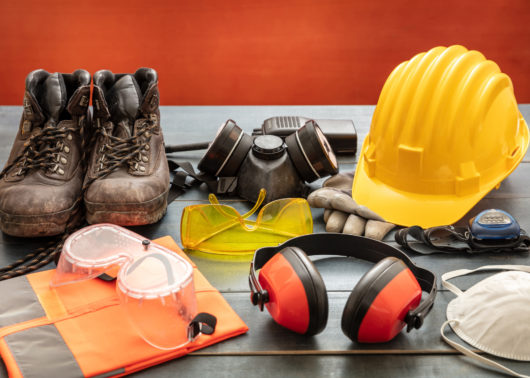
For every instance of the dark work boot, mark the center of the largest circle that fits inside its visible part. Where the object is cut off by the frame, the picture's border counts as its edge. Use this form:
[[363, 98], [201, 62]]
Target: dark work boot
[[40, 186], [129, 151]]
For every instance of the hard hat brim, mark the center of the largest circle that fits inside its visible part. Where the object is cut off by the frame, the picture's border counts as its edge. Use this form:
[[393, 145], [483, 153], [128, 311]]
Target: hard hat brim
[[409, 209]]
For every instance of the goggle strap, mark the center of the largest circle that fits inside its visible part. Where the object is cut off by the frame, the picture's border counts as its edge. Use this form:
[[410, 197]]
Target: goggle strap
[[203, 323], [160, 257]]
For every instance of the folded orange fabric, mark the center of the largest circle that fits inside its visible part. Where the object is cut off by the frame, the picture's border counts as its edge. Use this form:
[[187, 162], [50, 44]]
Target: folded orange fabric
[[81, 329]]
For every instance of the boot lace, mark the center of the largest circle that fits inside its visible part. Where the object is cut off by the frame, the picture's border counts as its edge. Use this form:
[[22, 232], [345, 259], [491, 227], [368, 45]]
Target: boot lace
[[41, 151], [117, 151]]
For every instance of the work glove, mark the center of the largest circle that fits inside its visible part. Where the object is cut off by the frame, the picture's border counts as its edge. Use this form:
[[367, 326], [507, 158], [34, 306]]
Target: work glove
[[343, 214]]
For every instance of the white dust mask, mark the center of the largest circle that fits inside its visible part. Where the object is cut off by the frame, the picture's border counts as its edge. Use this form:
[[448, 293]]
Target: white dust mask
[[493, 315]]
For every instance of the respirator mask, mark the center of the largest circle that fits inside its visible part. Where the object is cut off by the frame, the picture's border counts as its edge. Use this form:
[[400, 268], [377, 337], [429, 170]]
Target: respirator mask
[[492, 315], [243, 165]]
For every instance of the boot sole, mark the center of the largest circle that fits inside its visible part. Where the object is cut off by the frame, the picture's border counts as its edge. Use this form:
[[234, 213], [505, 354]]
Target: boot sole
[[131, 214], [30, 226]]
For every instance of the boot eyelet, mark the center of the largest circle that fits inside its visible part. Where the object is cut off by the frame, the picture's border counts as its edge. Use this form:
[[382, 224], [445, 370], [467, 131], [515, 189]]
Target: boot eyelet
[[60, 171], [69, 137], [147, 147], [145, 159], [66, 149], [63, 160], [142, 168], [26, 126]]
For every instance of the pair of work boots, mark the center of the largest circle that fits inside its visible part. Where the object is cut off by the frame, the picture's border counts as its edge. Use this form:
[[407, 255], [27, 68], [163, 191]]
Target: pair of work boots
[[112, 160]]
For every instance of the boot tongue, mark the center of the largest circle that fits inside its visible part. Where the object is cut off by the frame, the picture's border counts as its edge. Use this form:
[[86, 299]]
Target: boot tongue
[[52, 97], [124, 101]]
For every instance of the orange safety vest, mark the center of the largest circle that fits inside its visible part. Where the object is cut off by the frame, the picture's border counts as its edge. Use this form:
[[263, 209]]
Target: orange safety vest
[[82, 330]]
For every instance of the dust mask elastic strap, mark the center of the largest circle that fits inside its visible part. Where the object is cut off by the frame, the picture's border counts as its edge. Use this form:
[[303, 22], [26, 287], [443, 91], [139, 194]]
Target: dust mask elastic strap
[[464, 350]]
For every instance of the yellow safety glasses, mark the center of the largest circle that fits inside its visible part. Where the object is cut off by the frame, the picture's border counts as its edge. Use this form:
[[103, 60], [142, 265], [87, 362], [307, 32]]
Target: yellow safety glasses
[[220, 229]]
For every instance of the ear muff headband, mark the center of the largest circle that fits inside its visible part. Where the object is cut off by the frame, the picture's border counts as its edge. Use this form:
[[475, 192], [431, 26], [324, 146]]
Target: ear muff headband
[[349, 246]]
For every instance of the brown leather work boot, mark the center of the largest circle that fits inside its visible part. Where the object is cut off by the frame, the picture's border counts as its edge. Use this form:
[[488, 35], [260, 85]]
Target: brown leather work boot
[[40, 186], [130, 145]]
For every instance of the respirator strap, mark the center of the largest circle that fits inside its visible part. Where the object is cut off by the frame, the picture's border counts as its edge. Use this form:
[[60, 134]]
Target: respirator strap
[[466, 351], [462, 272], [180, 172], [454, 289], [450, 239]]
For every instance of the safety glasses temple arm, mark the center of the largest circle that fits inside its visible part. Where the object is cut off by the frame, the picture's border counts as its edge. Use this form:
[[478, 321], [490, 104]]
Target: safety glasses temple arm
[[220, 208], [240, 218], [259, 201]]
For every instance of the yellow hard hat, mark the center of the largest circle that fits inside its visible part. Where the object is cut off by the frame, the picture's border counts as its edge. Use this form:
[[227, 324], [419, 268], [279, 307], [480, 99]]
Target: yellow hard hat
[[446, 130]]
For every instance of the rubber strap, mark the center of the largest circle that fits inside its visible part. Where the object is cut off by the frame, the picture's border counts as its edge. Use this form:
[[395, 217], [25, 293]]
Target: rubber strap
[[203, 323], [462, 272], [466, 351], [461, 348], [450, 239], [160, 257], [180, 171]]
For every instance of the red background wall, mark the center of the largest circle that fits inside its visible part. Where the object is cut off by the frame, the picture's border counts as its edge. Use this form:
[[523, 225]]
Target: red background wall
[[256, 52]]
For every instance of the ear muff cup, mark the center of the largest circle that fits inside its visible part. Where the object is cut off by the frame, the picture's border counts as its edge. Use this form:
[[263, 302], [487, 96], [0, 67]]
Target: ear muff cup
[[314, 286], [290, 277], [379, 302]]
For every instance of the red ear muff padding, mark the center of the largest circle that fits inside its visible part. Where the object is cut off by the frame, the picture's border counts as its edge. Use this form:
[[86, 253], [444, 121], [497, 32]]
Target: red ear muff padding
[[377, 306], [297, 294]]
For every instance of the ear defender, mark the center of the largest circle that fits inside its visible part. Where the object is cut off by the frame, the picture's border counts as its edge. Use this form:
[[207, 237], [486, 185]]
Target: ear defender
[[297, 297], [386, 299], [377, 306]]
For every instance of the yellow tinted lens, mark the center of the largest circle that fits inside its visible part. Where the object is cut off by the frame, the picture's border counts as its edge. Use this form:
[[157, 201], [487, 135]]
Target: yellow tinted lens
[[220, 228]]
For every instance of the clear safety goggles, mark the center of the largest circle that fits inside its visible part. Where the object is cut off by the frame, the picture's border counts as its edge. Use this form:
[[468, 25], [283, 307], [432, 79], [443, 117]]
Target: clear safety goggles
[[220, 229], [154, 285]]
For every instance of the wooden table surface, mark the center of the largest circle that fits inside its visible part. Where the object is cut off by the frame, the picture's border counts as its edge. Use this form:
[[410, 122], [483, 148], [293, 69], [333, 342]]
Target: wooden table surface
[[268, 349]]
